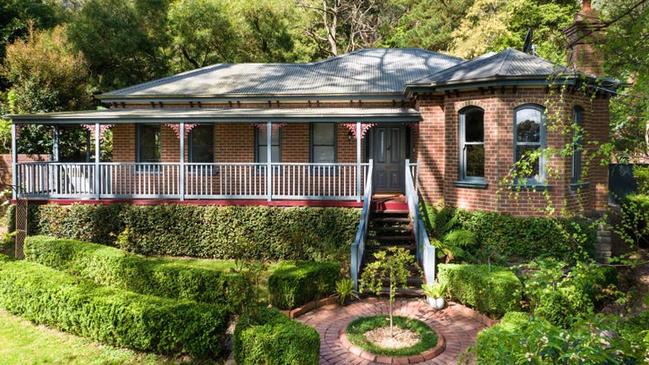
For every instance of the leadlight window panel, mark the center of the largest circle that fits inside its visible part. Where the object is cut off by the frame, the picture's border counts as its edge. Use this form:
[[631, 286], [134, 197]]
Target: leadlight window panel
[[201, 143], [148, 143], [472, 154], [261, 145], [529, 141], [577, 144], [323, 142]]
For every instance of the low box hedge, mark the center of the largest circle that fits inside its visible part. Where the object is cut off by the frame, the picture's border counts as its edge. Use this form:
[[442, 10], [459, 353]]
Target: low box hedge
[[492, 290], [221, 232], [269, 337], [113, 316], [294, 284], [181, 279]]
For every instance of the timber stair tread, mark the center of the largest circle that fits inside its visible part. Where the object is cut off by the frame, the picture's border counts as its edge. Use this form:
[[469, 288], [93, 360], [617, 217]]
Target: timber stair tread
[[393, 228]]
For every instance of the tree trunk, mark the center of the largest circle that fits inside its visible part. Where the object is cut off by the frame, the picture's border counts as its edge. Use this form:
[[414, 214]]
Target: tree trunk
[[391, 324]]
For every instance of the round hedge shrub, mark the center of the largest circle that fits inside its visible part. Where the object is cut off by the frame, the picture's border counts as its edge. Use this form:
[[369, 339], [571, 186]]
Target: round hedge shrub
[[357, 329], [267, 336]]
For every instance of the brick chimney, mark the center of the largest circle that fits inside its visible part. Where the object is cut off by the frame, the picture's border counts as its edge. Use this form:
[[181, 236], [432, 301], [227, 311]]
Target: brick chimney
[[583, 37]]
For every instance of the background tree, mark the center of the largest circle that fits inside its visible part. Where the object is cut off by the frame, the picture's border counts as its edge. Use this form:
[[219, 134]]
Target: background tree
[[340, 26], [426, 24], [625, 50], [493, 25], [17, 16], [122, 40], [46, 75]]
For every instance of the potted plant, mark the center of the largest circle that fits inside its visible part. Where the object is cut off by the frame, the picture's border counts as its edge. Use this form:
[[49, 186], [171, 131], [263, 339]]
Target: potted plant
[[435, 294]]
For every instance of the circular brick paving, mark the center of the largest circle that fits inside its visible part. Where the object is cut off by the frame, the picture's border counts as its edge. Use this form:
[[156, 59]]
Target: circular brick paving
[[457, 324]]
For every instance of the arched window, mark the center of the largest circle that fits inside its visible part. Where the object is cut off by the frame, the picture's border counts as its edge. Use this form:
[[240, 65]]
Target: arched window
[[577, 142], [472, 154], [529, 142]]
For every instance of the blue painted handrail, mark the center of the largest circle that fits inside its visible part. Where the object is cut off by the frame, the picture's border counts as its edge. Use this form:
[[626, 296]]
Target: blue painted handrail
[[358, 247], [425, 251]]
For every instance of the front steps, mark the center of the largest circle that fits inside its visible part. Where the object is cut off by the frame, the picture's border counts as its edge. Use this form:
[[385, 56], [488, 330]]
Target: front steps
[[391, 226]]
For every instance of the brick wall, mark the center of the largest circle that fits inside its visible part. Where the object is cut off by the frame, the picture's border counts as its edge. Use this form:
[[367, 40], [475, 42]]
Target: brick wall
[[5, 165], [236, 143], [438, 152]]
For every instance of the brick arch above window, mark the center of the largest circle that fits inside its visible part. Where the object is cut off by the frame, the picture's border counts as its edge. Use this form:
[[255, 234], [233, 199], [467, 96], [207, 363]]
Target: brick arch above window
[[472, 103]]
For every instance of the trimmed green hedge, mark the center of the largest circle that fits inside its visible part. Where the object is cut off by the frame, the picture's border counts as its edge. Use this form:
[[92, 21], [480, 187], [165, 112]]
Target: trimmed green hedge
[[269, 337], [492, 290], [294, 284], [273, 233], [503, 236], [180, 279], [110, 315]]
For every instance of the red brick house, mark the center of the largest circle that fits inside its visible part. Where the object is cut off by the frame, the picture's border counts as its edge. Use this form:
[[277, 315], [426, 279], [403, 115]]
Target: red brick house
[[288, 134]]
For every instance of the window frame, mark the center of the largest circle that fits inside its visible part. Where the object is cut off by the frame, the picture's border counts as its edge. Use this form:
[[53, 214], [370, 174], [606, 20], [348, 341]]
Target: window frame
[[464, 178], [576, 167], [138, 145], [312, 143], [190, 144], [258, 144], [542, 178]]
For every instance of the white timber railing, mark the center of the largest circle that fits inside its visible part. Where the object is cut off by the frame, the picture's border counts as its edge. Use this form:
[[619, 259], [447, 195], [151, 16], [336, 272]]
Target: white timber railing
[[240, 180], [358, 247], [425, 250]]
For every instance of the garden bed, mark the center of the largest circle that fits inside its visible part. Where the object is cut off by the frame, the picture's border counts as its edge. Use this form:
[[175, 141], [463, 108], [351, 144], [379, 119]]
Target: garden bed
[[411, 340]]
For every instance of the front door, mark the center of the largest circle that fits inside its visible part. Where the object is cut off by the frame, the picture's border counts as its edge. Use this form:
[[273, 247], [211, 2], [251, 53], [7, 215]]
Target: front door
[[388, 149]]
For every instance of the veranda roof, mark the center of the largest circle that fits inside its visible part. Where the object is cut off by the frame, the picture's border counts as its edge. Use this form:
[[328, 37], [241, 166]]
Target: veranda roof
[[223, 115]]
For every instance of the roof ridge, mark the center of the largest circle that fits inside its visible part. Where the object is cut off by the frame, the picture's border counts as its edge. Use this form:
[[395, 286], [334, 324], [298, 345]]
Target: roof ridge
[[507, 53], [456, 66]]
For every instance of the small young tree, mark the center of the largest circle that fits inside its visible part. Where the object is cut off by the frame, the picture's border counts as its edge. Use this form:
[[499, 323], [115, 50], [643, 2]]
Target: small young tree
[[393, 265]]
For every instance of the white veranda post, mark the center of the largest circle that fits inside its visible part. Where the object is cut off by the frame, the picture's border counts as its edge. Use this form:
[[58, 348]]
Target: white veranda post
[[14, 161], [269, 158], [97, 157], [359, 188], [181, 173]]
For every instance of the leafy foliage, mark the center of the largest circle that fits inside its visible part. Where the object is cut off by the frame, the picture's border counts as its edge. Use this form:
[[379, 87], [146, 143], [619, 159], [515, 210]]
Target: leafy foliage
[[175, 279], [633, 227], [269, 337], [519, 339], [492, 290], [624, 50], [112, 316], [204, 231], [344, 290], [641, 175], [562, 294], [392, 265], [46, 75], [493, 25], [292, 285], [504, 238], [131, 35], [434, 290]]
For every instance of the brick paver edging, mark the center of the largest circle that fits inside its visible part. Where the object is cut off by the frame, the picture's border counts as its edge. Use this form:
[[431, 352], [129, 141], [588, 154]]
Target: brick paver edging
[[456, 325]]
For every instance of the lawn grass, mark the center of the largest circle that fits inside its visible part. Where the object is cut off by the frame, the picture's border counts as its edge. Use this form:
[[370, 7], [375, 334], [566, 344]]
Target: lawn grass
[[22, 342], [357, 328]]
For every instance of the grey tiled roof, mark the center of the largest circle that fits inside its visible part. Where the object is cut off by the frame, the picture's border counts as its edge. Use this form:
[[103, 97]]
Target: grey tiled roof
[[373, 71], [508, 64]]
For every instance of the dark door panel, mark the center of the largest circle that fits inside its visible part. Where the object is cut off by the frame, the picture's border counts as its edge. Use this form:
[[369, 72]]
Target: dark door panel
[[388, 149]]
